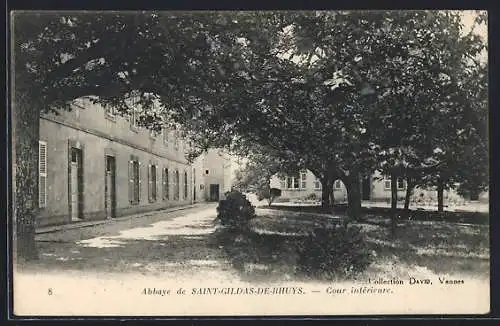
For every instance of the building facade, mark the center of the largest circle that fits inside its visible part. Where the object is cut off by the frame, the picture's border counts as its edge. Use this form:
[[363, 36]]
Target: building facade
[[373, 188], [95, 164]]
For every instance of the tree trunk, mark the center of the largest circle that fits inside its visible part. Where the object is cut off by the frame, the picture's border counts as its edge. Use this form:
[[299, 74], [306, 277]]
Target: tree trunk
[[332, 199], [410, 185], [26, 122], [440, 193], [326, 190], [409, 191], [353, 187], [394, 203]]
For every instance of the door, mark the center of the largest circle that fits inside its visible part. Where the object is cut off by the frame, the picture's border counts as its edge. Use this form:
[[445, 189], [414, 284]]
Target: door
[[75, 184], [214, 192], [366, 188], [110, 187]]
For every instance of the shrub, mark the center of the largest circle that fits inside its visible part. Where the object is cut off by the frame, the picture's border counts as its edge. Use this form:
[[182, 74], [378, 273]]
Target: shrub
[[311, 196], [235, 211], [334, 251]]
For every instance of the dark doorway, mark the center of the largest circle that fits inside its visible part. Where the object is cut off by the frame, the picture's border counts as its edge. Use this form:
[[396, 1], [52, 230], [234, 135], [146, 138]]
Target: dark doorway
[[214, 192], [110, 187], [75, 183], [366, 188]]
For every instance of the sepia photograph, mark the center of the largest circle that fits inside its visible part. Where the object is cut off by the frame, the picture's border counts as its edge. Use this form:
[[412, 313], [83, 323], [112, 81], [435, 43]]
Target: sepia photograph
[[249, 163]]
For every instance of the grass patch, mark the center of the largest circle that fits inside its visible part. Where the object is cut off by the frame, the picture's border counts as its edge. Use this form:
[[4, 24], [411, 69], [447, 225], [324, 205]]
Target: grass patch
[[275, 248], [377, 213]]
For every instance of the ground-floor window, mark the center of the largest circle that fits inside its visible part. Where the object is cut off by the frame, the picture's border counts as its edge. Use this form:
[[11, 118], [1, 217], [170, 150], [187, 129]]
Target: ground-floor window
[[292, 183], [134, 180], [176, 185], [401, 183], [166, 193], [185, 185], [152, 183], [303, 180]]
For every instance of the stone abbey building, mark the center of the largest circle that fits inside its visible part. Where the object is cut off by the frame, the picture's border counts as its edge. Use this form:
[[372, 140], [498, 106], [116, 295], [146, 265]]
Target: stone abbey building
[[95, 164]]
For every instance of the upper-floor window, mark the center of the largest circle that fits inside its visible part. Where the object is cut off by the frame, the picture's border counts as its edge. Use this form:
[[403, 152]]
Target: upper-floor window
[[134, 113], [337, 184], [110, 112], [165, 135], [176, 141]]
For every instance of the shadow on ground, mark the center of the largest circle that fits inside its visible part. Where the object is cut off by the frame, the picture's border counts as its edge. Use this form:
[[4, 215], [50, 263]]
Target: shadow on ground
[[270, 256]]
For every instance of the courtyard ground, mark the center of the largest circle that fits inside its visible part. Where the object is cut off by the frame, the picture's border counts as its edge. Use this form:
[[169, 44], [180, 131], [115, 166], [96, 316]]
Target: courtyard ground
[[185, 247]]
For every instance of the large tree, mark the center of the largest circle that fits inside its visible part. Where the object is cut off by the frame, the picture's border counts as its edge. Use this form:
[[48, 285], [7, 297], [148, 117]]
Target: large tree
[[58, 57]]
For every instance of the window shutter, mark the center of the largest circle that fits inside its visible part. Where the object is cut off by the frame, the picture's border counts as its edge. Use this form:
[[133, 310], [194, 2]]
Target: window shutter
[[139, 183], [131, 181], [150, 183], [163, 183], [42, 174]]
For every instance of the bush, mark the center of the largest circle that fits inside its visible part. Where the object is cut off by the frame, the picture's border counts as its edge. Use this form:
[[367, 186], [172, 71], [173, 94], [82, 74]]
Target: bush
[[235, 211], [311, 196], [334, 251]]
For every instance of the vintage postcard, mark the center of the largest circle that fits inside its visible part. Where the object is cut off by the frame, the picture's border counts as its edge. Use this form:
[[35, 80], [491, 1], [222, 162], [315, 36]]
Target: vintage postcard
[[249, 163]]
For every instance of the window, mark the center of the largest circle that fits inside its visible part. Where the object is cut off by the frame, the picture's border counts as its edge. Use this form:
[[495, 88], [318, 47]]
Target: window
[[292, 182], [303, 179], [338, 184], [185, 185], [206, 172], [134, 180], [152, 183], [42, 174], [176, 185], [401, 183], [110, 112], [317, 184], [282, 183], [134, 114], [176, 141], [387, 183], [194, 184], [166, 194], [165, 136]]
